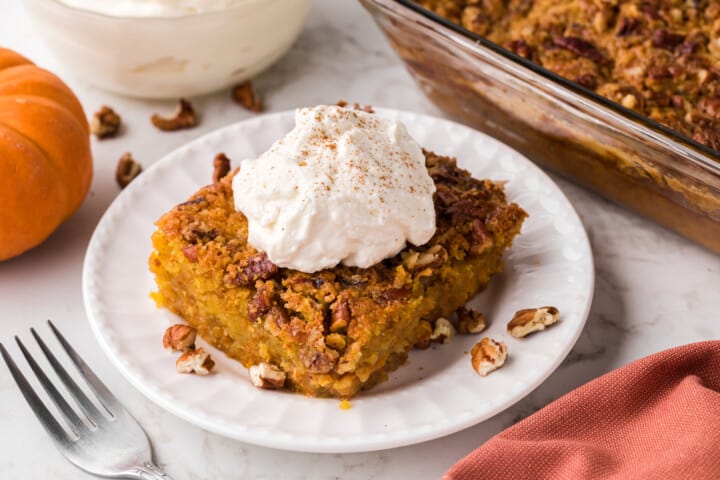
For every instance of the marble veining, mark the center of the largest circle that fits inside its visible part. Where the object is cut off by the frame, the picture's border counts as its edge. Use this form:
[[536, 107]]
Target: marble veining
[[654, 290]]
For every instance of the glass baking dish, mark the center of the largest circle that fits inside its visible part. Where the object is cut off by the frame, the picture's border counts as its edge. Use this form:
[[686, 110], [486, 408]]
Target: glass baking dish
[[614, 151]]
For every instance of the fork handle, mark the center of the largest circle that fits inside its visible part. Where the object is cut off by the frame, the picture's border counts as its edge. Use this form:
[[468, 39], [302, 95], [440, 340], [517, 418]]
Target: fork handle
[[148, 471]]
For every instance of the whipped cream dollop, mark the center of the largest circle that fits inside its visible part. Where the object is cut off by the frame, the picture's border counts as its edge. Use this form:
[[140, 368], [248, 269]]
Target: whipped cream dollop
[[152, 8], [343, 186]]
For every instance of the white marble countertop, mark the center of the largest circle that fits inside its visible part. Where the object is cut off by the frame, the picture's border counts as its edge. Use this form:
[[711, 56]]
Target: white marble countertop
[[654, 290]]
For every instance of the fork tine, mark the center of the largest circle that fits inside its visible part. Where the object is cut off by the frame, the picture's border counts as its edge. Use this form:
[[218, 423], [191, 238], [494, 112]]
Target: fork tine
[[56, 431], [85, 404], [76, 424], [98, 387]]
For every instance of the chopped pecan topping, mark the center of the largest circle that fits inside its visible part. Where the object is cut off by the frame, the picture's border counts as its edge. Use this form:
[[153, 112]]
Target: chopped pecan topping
[[391, 295], [480, 238], [317, 362], [259, 267], [433, 257], [470, 321], [628, 26], [580, 47], [709, 136], [520, 47], [184, 117], [709, 106], [587, 80], [663, 38], [244, 94], [127, 169], [105, 123], [260, 303], [221, 167], [340, 315], [336, 341]]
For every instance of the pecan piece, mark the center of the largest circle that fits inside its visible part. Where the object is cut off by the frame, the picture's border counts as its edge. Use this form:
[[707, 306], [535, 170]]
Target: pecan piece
[[709, 106], [391, 295], [318, 362], [260, 303], [470, 321], [244, 94], [488, 355], [221, 167], [708, 136], [267, 376], [179, 338], [184, 117], [521, 48], [580, 47], [531, 320], [259, 267], [628, 26], [127, 169], [340, 315], [663, 38], [195, 361], [443, 331], [105, 123], [587, 80]]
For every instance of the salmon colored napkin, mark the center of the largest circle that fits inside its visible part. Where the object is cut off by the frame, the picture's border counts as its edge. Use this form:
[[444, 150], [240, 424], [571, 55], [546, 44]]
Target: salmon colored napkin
[[656, 418]]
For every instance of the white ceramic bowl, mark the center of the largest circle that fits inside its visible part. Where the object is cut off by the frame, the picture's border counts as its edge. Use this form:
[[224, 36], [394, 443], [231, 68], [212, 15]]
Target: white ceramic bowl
[[170, 56]]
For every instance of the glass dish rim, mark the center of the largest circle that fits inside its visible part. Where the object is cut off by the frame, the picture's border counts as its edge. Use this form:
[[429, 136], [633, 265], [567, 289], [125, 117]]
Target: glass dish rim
[[705, 157]]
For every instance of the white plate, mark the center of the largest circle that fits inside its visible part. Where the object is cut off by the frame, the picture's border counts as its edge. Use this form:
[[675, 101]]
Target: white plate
[[435, 394]]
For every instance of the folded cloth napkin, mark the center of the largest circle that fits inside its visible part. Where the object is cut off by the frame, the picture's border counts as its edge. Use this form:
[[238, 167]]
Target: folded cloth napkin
[[656, 418]]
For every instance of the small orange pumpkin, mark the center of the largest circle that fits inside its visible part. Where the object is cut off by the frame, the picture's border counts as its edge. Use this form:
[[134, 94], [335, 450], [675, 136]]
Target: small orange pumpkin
[[45, 157]]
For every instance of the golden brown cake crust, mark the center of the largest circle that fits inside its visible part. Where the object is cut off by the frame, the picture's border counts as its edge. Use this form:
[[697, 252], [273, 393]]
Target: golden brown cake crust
[[660, 58], [339, 330]]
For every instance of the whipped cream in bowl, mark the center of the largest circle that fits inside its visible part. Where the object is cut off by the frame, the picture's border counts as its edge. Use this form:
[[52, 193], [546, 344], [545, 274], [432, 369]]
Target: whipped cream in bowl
[[344, 186], [167, 48]]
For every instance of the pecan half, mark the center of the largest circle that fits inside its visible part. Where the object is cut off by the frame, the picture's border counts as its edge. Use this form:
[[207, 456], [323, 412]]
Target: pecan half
[[531, 320], [184, 117], [105, 123], [221, 167], [317, 362], [580, 47], [127, 169], [244, 94]]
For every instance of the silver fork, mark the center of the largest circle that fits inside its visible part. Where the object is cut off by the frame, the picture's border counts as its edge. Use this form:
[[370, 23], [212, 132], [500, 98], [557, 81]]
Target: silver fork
[[104, 441]]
